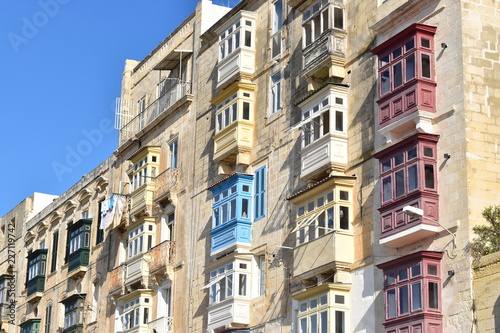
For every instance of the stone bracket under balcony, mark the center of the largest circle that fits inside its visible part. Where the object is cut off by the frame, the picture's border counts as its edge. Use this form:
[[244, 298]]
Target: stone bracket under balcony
[[326, 56]]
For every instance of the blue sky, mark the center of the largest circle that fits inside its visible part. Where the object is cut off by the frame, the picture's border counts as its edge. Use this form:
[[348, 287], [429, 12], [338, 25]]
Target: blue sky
[[62, 62]]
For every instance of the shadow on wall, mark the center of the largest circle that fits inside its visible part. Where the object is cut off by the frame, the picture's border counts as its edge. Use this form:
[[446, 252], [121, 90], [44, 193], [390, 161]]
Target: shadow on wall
[[496, 314]]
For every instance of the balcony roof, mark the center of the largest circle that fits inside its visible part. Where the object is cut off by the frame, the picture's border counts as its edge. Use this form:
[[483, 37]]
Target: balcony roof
[[318, 183]]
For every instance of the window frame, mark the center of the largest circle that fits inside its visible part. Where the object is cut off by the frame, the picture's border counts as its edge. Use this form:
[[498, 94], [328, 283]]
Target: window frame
[[229, 281], [323, 308], [276, 29], [73, 311], [145, 170], [240, 35], [140, 240], [400, 277], [173, 153], [276, 90], [319, 12], [260, 196], [238, 107]]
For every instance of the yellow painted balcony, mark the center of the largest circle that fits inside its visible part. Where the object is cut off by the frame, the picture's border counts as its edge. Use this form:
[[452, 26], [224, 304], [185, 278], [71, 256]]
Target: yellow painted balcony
[[143, 197], [234, 143], [334, 247]]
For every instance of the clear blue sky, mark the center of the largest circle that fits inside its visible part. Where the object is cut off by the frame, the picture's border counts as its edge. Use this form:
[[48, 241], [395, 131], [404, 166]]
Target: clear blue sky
[[62, 62]]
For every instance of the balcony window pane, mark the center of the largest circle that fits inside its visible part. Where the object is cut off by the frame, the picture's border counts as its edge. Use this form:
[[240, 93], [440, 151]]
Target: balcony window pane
[[303, 325], [403, 300], [244, 208], [396, 53], [412, 153], [338, 17], [428, 152], [248, 38], [230, 45], [339, 299], [243, 285], [433, 295], [219, 121], [314, 323], [307, 33], [237, 40], [385, 82], [246, 111], [316, 128], [317, 26], [386, 166], [339, 322], [400, 183], [344, 195], [313, 303], [429, 176], [432, 270], [390, 279], [233, 209], [398, 160], [326, 122], [426, 66], [387, 188], [410, 67], [323, 316], [344, 218], [339, 121], [321, 224], [398, 74], [412, 178], [329, 213], [409, 45], [234, 109], [326, 21], [226, 117], [426, 43], [391, 303], [384, 60], [415, 270], [416, 297]]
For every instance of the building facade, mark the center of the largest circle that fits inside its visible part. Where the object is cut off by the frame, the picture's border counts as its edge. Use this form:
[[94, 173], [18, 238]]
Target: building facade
[[282, 166]]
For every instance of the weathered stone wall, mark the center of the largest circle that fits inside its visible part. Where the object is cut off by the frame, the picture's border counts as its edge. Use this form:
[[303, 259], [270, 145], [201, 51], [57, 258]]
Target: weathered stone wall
[[486, 285]]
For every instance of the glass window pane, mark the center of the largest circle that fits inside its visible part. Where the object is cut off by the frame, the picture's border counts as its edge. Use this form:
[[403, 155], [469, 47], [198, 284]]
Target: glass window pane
[[340, 299], [391, 303], [246, 111], [410, 67], [244, 208], [433, 295], [303, 325], [403, 274], [344, 195], [344, 218], [313, 303], [390, 278], [339, 121], [248, 39], [415, 270], [400, 183], [339, 322], [412, 153], [432, 270], [398, 160], [409, 45], [233, 208], [412, 178], [326, 122], [429, 176], [428, 152], [396, 53], [425, 43], [303, 307], [387, 188], [338, 14], [314, 323], [416, 296], [426, 66], [323, 322], [384, 60], [403, 300], [398, 74], [243, 285], [386, 166], [385, 82]]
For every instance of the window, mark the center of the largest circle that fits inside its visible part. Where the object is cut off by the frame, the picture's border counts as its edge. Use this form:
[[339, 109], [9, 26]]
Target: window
[[55, 245], [168, 227], [276, 81], [260, 193], [238, 35], [36, 264], [323, 118], [145, 168], [412, 285], [237, 107], [173, 149], [73, 310], [99, 238], [4, 284], [276, 28], [137, 309], [31, 326], [48, 317], [229, 281], [324, 213], [165, 302], [321, 17], [314, 313], [408, 169], [140, 239], [79, 236]]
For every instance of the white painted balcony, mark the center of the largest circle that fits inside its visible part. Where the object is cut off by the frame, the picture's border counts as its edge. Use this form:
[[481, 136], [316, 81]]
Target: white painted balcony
[[236, 48], [137, 269], [230, 313], [324, 132]]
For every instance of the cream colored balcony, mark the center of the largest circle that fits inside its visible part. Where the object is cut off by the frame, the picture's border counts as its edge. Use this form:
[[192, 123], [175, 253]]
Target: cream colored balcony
[[142, 198], [234, 124], [236, 49], [138, 269], [337, 246], [324, 132]]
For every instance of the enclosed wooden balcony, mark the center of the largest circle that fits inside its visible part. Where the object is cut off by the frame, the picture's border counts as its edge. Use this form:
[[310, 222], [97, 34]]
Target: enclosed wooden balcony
[[334, 247]]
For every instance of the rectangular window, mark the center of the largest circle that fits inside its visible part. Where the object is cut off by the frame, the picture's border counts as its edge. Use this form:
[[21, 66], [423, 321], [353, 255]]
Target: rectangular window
[[262, 274], [99, 238], [276, 92], [260, 193], [433, 295], [55, 245], [173, 154], [48, 317]]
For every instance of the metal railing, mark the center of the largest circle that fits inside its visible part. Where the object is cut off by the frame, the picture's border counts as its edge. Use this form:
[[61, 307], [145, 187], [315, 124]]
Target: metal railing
[[166, 182], [128, 129]]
